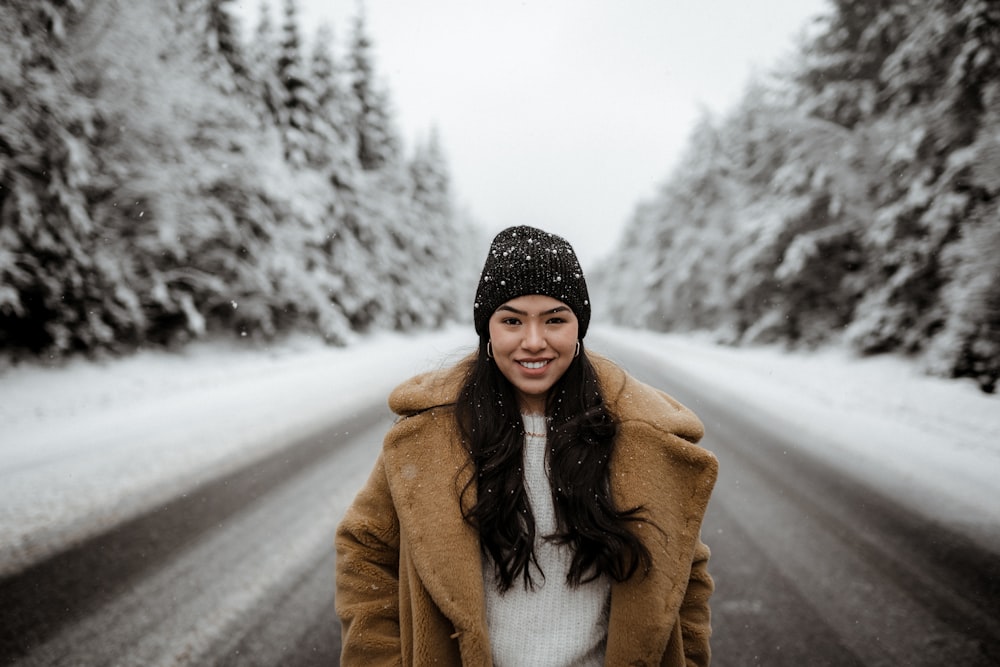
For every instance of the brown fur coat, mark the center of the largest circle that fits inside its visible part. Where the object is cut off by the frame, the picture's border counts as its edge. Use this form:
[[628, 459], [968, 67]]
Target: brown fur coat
[[409, 574]]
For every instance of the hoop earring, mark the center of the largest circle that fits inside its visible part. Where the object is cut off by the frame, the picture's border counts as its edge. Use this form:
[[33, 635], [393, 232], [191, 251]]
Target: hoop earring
[[489, 349], [577, 353]]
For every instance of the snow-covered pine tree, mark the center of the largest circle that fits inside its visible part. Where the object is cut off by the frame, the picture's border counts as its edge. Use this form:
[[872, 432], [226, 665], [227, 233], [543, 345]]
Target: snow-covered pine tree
[[262, 56], [935, 86], [869, 216], [667, 242], [220, 44], [334, 148], [298, 96], [141, 201], [841, 76], [969, 345], [434, 242], [943, 91], [64, 286], [378, 143]]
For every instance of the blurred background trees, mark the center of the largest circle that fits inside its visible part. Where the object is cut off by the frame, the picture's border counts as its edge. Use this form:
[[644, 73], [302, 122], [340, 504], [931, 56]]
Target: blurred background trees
[[852, 197], [165, 175]]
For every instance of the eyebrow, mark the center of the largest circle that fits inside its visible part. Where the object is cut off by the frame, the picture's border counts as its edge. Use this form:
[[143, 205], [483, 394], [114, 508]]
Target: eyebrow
[[557, 309]]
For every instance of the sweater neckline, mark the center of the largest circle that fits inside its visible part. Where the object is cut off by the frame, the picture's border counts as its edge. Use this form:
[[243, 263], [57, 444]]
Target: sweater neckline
[[535, 425]]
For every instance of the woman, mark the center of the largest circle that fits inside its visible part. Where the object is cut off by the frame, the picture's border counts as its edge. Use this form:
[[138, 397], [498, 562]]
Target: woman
[[533, 505]]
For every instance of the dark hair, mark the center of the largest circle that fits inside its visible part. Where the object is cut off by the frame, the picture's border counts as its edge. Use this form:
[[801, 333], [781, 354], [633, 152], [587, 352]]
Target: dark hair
[[580, 435]]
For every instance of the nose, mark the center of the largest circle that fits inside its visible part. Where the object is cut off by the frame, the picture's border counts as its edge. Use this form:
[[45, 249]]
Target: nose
[[534, 336]]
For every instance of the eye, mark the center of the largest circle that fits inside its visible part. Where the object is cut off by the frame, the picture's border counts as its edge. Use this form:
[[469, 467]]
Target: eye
[[557, 320], [510, 321]]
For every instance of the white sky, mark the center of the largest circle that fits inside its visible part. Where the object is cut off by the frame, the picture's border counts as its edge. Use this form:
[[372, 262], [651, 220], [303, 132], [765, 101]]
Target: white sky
[[562, 114]]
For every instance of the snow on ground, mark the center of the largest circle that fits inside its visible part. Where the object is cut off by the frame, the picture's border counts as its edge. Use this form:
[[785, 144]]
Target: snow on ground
[[932, 443], [88, 445]]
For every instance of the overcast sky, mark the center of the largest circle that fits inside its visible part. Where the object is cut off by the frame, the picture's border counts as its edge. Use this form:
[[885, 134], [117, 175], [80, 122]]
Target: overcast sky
[[562, 114]]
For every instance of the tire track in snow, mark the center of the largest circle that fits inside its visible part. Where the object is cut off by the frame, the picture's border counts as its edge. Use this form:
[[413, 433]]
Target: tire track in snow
[[125, 597], [808, 557]]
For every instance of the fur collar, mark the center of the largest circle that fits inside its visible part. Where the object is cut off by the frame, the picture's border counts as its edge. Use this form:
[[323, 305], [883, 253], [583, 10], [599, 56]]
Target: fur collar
[[628, 399]]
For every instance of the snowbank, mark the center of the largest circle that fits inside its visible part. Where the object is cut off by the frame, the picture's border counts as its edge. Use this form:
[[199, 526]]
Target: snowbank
[[932, 443], [90, 444]]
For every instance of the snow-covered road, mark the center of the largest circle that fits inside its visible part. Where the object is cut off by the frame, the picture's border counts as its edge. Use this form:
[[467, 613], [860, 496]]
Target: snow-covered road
[[127, 448], [931, 444], [817, 566], [88, 445]]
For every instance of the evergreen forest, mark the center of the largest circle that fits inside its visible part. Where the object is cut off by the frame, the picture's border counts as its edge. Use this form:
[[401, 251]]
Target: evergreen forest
[[851, 197], [168, 174]]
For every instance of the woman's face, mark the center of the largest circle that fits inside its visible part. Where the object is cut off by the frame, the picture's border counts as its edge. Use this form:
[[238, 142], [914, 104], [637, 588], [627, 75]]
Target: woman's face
[[534, 341]]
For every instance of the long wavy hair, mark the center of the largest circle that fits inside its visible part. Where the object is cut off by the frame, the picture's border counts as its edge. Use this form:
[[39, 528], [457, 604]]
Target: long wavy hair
[[580, 438]]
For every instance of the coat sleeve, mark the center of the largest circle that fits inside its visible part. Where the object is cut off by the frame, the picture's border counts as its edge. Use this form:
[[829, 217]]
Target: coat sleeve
[[695, 615], [367, 567]]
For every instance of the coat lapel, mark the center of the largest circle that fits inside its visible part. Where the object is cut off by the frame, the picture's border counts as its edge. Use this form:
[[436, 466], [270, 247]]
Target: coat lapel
[[655, 465], [425, 464], [675, 492]]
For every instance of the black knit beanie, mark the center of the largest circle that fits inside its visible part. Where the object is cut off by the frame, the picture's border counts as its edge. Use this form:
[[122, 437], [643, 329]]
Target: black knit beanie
[[524, 260]]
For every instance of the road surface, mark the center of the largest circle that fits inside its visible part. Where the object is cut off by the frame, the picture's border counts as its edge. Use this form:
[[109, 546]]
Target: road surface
[[238, 573], [812, 568]]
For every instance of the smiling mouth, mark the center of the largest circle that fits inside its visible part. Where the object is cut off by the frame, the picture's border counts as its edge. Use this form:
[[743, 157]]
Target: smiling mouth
[[533, 364]]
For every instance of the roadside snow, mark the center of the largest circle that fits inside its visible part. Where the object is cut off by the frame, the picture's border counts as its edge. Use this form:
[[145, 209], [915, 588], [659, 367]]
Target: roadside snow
[[932, 443], [88, 445]]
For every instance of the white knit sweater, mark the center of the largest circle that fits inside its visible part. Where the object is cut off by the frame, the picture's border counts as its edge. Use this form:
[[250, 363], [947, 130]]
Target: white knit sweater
[[554, 624]]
